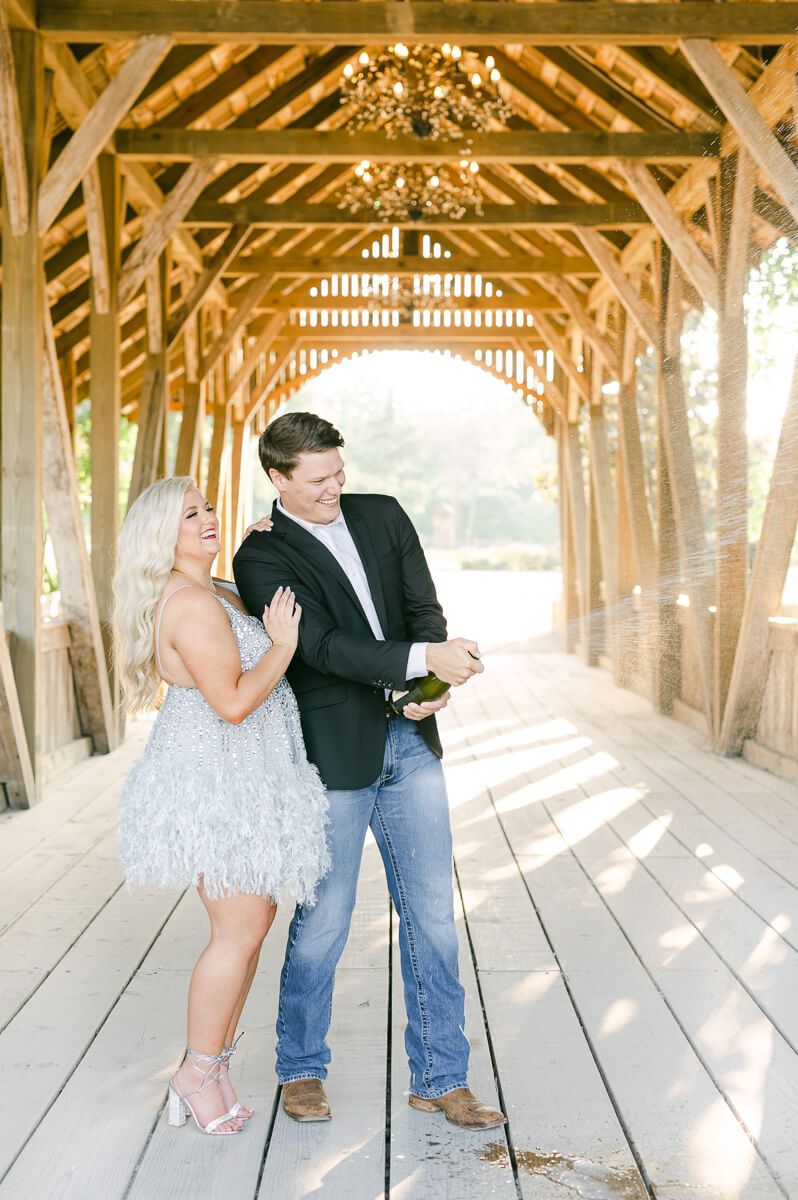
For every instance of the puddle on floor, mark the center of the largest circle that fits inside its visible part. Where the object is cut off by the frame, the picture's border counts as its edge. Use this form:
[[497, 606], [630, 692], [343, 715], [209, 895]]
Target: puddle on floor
[[578, 1176]]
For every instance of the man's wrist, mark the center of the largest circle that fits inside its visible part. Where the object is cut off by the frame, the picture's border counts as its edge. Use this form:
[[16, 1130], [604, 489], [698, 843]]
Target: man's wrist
[[417, 666]]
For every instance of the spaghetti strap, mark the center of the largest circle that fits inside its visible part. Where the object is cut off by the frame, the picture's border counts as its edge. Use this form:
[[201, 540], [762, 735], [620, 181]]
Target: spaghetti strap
[[164, 603]]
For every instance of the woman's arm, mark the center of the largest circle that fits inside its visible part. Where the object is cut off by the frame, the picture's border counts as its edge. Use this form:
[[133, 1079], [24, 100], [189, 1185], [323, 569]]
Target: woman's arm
[[196, 628]]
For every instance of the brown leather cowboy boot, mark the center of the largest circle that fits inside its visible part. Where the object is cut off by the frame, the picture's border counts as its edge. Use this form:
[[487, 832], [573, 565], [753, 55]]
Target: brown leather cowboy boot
[[304, 1100], [462, 1108]]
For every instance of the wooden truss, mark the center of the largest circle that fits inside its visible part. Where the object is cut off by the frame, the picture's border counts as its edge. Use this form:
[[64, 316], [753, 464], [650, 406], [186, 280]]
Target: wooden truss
[[173, 241]]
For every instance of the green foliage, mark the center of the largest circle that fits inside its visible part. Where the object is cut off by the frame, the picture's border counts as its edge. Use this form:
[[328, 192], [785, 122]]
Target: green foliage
[[438, 434]]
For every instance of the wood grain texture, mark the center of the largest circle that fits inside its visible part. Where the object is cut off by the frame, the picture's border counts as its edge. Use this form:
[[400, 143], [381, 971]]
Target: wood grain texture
[[475, 23]]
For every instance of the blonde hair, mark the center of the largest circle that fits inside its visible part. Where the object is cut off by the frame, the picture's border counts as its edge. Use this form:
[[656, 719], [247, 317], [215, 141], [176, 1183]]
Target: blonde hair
[[146, 557]]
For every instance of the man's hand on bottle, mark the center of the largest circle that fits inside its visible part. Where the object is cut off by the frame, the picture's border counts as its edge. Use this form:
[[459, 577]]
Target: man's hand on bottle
[[454, 661], [417, 712]]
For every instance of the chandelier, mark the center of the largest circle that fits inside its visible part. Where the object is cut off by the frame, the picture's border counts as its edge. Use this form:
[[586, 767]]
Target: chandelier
[[409, 295], [427, 91], [393, 192]]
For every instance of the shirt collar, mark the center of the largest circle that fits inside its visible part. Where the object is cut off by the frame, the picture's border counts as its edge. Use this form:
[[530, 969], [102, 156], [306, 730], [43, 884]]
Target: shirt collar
[[313, 527]]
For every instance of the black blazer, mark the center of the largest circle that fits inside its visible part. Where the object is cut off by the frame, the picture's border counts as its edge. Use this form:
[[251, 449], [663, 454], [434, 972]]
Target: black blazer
[[340, 670]]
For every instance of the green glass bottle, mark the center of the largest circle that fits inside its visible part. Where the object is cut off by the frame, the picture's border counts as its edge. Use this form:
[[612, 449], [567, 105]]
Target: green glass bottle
[[428, 688]]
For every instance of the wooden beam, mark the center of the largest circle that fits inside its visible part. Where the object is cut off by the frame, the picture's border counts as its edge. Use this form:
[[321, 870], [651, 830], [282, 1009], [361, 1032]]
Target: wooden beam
[[522, 266], [229, 248], [735, 197], [16, 766], [161, 226], [75, 582], [578, 515], [476, 24], [634, 471], [233, 324], [637, 308], [261, 391], [75, 97], [744, 117], [684, 249], [573, 306], [21, 440], [192, 418], [12, 144], [301, 299], [252, 354], [97, 126], [771, 562], [665, 660], [105, 384], [688, 512], [98, 238], [559, 348], [153, 406], [604, 507], [332, 145], [510, 216]]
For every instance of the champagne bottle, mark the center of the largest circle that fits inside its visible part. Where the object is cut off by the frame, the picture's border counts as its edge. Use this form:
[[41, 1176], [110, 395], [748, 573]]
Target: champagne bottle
[[428, 688]]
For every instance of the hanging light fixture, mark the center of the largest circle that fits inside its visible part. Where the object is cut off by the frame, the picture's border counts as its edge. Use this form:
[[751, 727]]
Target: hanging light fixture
[[427, 91], [407, 295], [394, 192]]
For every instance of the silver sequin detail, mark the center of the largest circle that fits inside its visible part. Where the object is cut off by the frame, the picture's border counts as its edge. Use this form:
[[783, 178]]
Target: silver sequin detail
[[239, 806]]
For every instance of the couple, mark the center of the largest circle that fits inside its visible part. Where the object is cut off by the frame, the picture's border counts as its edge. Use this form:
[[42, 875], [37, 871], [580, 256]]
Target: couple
[[224, 797]]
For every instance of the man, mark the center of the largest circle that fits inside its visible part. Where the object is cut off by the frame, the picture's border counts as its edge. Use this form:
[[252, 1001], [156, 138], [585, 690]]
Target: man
[[371, 622]]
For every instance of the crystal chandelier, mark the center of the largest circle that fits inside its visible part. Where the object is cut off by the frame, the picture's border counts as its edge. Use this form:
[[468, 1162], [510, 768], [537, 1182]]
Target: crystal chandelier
[[427, 91], [393, 192], [408, 295]]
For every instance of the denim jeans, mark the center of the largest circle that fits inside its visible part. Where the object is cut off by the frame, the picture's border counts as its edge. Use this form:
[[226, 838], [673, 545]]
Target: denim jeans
[[408, 812]]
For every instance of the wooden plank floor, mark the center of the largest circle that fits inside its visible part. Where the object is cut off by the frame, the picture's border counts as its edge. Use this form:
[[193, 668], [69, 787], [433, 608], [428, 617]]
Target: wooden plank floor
[[628, 914]]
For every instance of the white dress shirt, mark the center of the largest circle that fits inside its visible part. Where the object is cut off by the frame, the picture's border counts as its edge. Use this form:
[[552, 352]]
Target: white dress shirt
[[338, 540]]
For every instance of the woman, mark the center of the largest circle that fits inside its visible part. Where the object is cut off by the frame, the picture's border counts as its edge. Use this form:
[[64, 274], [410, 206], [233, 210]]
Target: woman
[[223, 797]]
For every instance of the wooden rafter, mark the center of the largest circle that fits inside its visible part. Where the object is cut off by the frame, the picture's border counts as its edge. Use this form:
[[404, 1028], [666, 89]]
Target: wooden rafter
[[313, 145], [97, 126], [478, 23], [290, 215]]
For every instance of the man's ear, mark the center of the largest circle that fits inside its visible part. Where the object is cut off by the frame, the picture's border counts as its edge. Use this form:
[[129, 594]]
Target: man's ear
[[277, 479]]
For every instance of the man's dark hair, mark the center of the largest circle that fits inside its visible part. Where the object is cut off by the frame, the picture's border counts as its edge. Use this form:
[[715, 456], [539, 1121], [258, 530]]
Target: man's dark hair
[[285, 438]]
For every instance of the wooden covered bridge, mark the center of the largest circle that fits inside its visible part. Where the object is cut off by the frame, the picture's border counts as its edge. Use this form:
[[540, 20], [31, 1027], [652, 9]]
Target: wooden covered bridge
[[206, 203]]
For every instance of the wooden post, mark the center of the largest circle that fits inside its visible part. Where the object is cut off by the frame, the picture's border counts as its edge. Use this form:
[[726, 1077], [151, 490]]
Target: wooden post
[[189, 443], [106, 420], [735, 195], [75, 582], [22, 334], [603, 500], [667, 647], [749, 675], [623, 621], [687, 508], [155, 387], [632, 467], [570, 597]]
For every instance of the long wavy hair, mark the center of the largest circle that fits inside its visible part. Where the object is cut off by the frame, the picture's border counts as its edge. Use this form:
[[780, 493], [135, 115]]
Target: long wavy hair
[[146, 557]]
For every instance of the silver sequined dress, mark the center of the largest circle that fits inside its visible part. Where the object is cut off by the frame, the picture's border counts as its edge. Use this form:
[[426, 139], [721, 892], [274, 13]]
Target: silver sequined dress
[[238, 805]]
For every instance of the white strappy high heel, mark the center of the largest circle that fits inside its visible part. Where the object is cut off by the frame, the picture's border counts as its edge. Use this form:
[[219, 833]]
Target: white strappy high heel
[[237, 1110], [180, 1105]]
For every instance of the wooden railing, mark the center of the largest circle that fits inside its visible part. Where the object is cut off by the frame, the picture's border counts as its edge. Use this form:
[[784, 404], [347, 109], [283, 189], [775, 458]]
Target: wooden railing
[[775, 741]]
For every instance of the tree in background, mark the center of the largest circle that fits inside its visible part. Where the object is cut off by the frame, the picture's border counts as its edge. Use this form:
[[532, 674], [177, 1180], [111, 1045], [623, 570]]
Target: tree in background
[[435, 431]]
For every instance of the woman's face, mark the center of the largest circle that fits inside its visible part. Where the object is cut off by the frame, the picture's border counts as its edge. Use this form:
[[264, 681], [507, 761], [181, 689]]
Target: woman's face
[[198, 537]]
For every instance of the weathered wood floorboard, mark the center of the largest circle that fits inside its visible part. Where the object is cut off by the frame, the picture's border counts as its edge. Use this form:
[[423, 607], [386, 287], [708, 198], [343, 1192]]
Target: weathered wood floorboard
[[627, 906]]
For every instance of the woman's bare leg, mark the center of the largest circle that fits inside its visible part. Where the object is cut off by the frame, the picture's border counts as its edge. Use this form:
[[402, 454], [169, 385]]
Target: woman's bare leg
[[238, 927], [228, 1090]]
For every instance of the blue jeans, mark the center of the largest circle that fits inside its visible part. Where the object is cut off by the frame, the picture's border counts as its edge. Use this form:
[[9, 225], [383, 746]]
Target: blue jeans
[[408, 812]]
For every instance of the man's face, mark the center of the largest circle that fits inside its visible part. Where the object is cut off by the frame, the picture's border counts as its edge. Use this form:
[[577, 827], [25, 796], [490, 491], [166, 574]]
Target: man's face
[[314, 488]]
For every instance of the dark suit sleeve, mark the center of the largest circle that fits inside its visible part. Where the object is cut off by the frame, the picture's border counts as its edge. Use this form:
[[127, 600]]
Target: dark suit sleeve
[[322, 645], [423, 613]]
